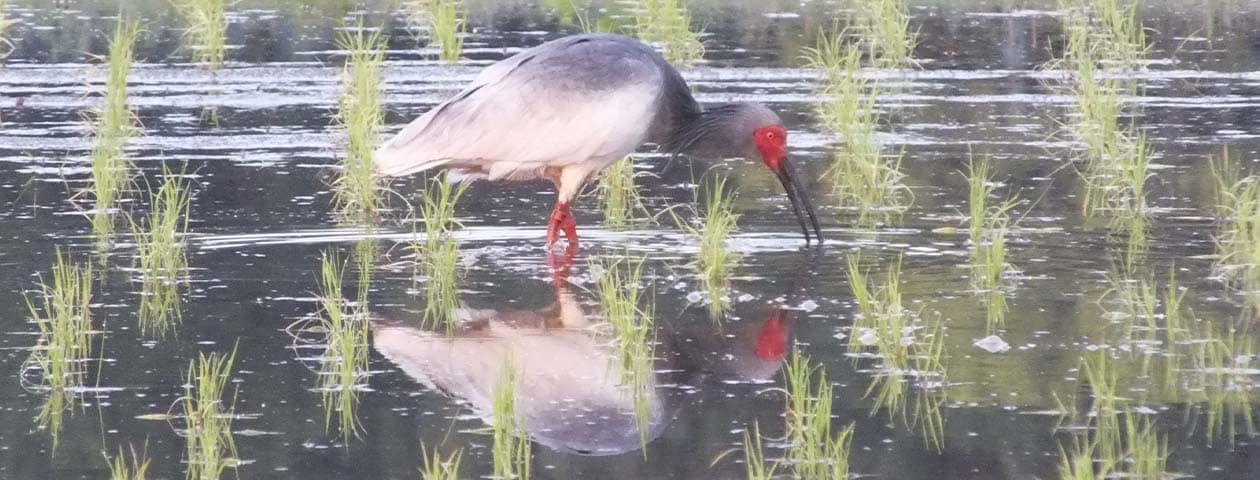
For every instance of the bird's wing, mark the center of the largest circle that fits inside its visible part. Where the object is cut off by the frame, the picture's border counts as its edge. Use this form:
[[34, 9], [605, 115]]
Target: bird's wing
[[561, 103]]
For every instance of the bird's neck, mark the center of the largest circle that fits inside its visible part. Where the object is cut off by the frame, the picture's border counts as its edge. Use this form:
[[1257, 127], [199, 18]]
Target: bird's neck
[[707, 134]]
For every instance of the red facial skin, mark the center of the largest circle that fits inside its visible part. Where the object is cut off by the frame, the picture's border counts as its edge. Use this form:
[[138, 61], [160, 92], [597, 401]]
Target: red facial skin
[[772, 339], [771, 142]]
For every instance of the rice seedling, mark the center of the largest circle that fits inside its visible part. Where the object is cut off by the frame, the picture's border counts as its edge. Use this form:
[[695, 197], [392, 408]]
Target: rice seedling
[[438, 467], [1238, 212], [122, 467], [1137, 300], [882, 321], [988, 230], [438, 257], [755, 458], [883, 26], [344, 364], [359, 112], [910, 351], [1146, 451], [511, 449], [1103, 36], [621, 202], [1218, 363], [995, 308], [1116, 158], [1113, 29], [863, 177], [206, 31], [814, 452], [446, 22], [715, 259], [891, 388], [666, 24], [6, 46], [631, 317], [113, 125], [1099, 373], [565, 10], [61, 312], [160, 255], [210, 446], [1078, 463]]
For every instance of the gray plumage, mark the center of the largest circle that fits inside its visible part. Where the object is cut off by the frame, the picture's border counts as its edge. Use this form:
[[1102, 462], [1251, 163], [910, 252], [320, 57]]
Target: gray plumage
[[565, 110]]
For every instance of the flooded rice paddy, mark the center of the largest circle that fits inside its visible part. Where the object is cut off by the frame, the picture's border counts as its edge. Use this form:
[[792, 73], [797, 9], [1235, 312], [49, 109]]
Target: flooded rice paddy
[[1132, 348]]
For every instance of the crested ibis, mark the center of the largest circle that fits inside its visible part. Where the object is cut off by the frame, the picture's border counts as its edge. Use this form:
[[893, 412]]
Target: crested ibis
[[566, 109]]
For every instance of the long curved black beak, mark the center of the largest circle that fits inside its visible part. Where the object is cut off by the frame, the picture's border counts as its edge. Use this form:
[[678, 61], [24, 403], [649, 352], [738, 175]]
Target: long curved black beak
[[799, 200]]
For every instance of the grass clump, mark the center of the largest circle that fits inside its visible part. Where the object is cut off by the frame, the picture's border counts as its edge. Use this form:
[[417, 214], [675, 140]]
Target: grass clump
[[632, 321], [1238, 212], [863, 177], [210, 446], [446, 22], [61, 311], [883, 27], [360, 113], [438, 467], [1103, 38], [989, 225], [1218, 366], [438, 256], [621, 202], [909, 350], [1147, 450], [1117, 440], [160, 254], [206, 31], [1078, 462], [755, 458], [511, 449], [1111, 27], [814, 452], [714, 261], [122, 467], [666, 24], [988, 228], [882, 321], [344, 365], [6, 47], [113, 125]]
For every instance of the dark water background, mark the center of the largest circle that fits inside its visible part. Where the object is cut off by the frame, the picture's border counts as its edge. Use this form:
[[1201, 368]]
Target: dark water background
[[261, 216]]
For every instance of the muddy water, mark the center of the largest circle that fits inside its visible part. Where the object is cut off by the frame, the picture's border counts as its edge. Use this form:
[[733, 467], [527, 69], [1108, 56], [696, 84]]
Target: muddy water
[[262, 217]]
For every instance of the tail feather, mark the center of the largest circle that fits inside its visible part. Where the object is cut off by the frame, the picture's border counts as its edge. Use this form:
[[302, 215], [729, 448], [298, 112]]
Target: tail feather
[[397, 162], [404, 154]]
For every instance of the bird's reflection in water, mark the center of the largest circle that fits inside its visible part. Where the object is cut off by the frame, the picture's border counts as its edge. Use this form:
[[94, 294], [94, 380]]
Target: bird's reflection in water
[[570, 394]]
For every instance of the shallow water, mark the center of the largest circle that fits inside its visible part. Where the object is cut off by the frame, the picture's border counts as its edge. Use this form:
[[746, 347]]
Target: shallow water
[[261, 217]]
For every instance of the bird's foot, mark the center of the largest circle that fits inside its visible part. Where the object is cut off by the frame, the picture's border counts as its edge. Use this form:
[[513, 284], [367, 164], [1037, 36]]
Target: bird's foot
[[560, 265], [562, 221]]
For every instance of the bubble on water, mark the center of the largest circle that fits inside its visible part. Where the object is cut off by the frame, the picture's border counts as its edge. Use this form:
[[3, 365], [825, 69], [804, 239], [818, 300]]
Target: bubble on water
[[747, 297], [992, 344], [809, 305], [695, 297], [868, 337]]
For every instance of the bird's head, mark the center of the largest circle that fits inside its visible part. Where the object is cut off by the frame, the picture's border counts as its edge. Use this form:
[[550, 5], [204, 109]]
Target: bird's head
[[768, 142]]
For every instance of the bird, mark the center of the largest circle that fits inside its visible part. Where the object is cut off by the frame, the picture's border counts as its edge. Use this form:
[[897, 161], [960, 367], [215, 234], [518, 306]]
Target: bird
[[567, 396], [568, 108]]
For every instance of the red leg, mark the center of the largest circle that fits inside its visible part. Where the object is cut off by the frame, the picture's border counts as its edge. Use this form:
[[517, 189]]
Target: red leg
[[562, 220]]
